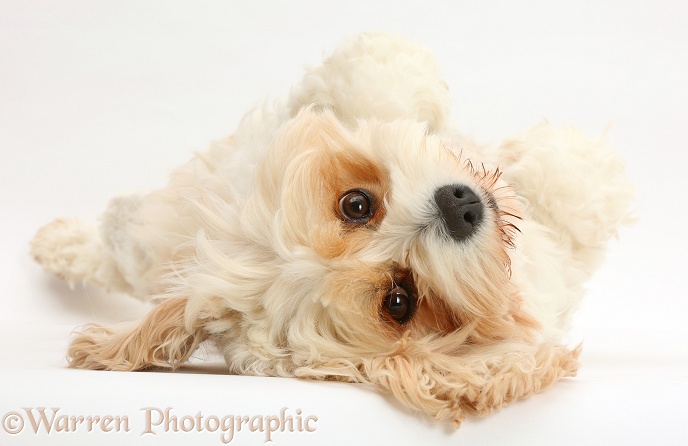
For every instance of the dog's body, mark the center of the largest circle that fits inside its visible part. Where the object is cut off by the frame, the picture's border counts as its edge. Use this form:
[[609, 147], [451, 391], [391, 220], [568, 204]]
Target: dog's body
[[348, 233]]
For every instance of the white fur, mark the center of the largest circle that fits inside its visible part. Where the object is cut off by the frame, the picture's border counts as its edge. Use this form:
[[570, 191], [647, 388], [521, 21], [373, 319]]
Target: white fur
[[245, 235]]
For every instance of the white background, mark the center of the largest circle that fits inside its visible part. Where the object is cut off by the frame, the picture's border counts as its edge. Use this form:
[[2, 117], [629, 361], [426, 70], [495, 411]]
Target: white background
[[97, 98]]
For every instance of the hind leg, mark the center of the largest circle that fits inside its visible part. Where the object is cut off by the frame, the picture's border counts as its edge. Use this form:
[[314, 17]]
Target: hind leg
[[111, 256]]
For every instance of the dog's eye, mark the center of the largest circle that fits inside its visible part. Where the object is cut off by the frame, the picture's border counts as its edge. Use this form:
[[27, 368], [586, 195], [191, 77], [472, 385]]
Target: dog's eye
[[398, 305], [356, 206]]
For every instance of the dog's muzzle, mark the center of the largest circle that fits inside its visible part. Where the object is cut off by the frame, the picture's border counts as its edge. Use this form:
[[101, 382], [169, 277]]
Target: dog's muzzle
[[460, 209]]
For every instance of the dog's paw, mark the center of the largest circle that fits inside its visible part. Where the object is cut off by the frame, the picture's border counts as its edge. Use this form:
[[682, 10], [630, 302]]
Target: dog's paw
[[68, 249], [86, 350], [575, 185], [376, 75]]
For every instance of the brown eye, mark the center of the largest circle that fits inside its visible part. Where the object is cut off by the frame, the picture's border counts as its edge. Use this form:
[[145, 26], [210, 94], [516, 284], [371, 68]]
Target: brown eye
[[356, 206], [398, 305]]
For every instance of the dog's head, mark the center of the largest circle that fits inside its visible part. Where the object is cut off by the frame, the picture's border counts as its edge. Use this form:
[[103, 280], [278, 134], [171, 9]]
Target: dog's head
[[404, 233], [377, 254]]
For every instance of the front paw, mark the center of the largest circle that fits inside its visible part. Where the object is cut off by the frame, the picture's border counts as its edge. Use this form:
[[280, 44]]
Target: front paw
[[576, 186]]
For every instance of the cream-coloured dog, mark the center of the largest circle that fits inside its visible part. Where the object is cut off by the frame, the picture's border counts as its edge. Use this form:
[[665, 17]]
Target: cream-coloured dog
[[348, 233]]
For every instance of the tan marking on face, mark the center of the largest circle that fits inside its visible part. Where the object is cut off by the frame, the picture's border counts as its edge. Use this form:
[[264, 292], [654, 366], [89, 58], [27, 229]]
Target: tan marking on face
[[352, 300], [341, 171], [355, 298], [326, 161], [433, 315]]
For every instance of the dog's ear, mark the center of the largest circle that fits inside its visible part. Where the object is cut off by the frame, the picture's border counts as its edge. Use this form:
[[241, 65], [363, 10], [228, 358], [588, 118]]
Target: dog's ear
[[161, 339], [476, 380]]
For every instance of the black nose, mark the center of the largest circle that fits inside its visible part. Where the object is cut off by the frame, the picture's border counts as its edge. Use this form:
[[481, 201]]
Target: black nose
[[461, 209]]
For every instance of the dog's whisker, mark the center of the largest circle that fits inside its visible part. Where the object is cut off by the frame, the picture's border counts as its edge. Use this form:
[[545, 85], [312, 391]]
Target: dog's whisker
[[350, 237], [502, 212]]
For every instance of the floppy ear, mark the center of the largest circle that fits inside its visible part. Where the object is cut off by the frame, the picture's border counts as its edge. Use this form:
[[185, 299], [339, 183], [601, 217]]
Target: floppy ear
[[450, 387], [161, 339], [476, 381]]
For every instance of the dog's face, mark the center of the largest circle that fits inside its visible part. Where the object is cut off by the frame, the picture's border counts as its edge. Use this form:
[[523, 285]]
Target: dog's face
[[383, 240]]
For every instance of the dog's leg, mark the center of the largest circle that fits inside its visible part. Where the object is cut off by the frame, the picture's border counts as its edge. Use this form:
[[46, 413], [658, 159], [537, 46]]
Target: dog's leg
[[116, 256], [74, 252], [138, 235], [161, 339], [574, 185], [360, 81]]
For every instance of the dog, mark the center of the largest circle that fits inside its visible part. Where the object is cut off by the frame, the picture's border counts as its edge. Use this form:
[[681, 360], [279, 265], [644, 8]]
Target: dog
[[348, 233]]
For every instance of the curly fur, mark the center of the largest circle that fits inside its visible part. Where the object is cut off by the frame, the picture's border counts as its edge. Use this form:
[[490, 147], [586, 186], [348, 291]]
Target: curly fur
[[246, 246]]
